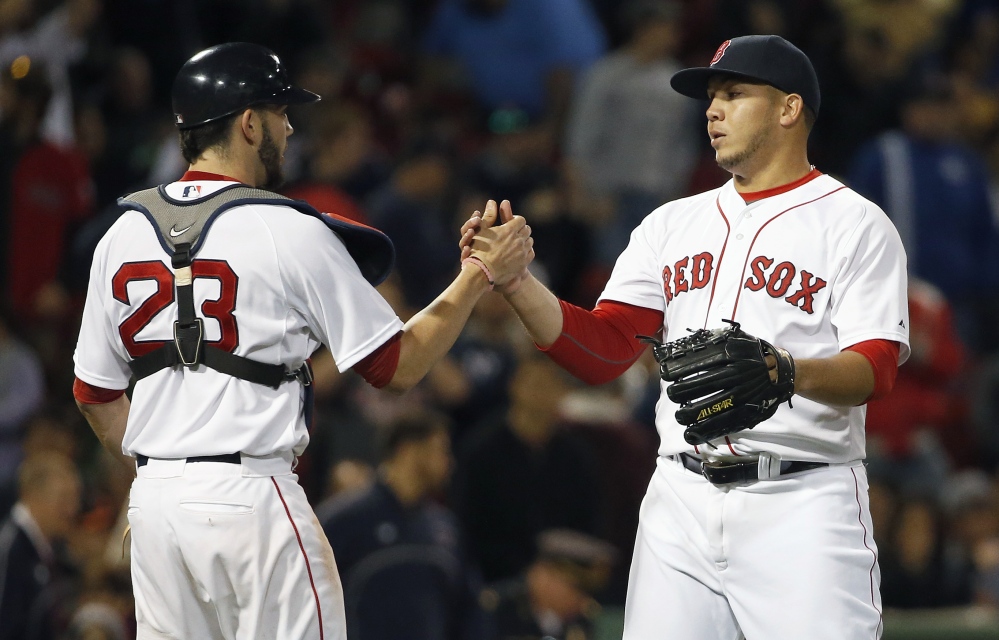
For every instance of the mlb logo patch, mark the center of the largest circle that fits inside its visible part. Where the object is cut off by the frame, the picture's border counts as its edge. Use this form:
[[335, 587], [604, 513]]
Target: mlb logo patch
[[192, 191]]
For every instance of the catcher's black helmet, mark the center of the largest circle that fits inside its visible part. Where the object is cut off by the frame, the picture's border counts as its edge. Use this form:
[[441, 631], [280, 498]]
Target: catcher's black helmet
[[228, 78]]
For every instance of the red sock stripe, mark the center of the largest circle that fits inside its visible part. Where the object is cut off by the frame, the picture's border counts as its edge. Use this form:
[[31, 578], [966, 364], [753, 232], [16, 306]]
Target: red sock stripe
[[308, 567]]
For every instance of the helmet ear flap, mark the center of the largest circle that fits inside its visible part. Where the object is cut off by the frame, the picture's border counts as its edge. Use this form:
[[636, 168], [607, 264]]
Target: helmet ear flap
[[228, 78]]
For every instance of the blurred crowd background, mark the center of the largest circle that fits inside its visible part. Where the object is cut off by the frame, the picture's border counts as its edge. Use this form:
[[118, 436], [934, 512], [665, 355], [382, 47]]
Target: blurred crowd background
[[500, 498]]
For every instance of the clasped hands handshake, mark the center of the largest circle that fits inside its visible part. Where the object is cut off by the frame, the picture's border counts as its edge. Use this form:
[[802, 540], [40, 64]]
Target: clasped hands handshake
[[500, 244]]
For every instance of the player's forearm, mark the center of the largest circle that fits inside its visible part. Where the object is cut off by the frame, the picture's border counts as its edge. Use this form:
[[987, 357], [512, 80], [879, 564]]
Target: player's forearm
[[539, 310], [432, 332], [844, 380], [108, 421]]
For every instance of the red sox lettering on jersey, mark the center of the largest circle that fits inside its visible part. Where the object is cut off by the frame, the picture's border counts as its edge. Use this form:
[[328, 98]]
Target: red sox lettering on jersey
[[714, 256], [694, 272]]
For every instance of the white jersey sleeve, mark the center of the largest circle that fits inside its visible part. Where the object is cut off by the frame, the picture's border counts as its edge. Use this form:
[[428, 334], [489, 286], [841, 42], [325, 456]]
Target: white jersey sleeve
[[100, 358], [861, 306], [324, 284]]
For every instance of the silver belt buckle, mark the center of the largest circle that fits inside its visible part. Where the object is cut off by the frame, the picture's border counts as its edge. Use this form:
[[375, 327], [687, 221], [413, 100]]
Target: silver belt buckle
[[769, 466]]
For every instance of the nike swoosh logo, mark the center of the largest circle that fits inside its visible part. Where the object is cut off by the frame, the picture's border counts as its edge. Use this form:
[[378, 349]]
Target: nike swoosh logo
[[174, 232]]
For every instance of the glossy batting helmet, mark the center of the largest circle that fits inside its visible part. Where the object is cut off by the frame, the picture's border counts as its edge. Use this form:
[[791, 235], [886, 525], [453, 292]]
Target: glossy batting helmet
[[227, 78]]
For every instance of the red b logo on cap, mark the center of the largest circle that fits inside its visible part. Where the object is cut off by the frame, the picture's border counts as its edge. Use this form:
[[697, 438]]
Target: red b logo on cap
[[720, 53]]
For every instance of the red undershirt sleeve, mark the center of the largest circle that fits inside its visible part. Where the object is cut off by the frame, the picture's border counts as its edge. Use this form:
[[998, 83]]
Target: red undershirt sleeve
[[379, 367], [883, 356], [598, 346], [89, 394]]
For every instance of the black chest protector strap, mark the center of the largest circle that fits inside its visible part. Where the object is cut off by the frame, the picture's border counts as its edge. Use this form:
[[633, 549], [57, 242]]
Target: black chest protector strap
[[189, 348]]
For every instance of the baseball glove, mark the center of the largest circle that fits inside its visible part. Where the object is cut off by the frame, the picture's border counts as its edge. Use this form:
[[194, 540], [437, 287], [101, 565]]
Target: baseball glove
[[722, 381]]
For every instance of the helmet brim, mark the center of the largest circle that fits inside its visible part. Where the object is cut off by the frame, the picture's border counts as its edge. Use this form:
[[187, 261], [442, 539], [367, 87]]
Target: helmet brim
[[294, 95], [289, 96]]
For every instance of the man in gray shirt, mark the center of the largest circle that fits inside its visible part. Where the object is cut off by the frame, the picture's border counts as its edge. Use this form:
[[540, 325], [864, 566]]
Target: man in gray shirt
[[628, 135]]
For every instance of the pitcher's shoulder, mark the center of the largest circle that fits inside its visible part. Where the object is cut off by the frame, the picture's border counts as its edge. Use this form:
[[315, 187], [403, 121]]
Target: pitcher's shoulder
[[850, 205]]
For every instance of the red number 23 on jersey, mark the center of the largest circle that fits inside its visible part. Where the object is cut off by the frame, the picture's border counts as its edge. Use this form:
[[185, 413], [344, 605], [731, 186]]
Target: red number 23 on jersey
[[221, 309]]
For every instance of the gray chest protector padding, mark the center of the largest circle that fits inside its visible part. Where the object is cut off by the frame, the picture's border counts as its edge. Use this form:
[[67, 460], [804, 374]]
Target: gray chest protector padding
[[182, 227], [188, 221]]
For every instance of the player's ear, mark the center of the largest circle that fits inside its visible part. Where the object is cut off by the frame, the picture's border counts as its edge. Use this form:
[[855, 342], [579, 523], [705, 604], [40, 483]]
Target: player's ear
[[249, 125], [792, 109]]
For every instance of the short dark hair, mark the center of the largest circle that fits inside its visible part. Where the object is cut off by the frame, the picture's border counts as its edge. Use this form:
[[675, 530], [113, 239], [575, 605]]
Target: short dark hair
[[197, 140], [417, 427], [810, 118]]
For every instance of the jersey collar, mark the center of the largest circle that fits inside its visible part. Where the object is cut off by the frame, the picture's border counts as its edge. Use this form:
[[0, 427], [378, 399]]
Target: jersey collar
[[191, 176], [753, 196]]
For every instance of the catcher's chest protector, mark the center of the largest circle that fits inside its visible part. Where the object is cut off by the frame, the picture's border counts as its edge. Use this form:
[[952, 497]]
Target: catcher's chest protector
[[181, 229]]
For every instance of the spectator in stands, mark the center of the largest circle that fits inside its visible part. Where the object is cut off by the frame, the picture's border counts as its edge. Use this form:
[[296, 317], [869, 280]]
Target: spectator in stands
[[470, 383], [861, 85], [97, 621], [35, 577], [968, 500], [916, 572], [22, 390], [522, 52], [289, 27], [50, 192], [553, 598], [936, 191], [566, 244], [339, 145], [975, 71], [399, 554], [54, 41], [133, 127], [47, 432], [629, 133], [905, 429], [518, 157], [523, 473], [412, 210]]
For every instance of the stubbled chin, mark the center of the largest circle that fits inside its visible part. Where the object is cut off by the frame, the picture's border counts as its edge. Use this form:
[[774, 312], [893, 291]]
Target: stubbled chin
[[724, 160]]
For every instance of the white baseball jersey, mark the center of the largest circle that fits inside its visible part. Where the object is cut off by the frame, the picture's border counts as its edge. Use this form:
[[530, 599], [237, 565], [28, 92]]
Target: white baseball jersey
[[813, 270], [270, 283]]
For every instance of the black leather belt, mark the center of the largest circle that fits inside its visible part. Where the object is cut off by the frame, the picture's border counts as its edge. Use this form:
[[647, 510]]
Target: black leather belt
[[230, 458], [729, 472]]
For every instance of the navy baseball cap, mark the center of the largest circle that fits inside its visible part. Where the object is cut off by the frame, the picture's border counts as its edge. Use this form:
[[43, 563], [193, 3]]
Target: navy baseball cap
[[768, 59]]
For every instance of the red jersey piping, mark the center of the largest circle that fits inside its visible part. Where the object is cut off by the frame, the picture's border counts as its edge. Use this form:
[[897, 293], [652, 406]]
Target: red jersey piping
[[721, 256], [753, 196]]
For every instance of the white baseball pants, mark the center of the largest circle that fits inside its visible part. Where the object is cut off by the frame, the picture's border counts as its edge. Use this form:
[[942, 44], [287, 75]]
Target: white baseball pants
[[784, 559], [230, 551]]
